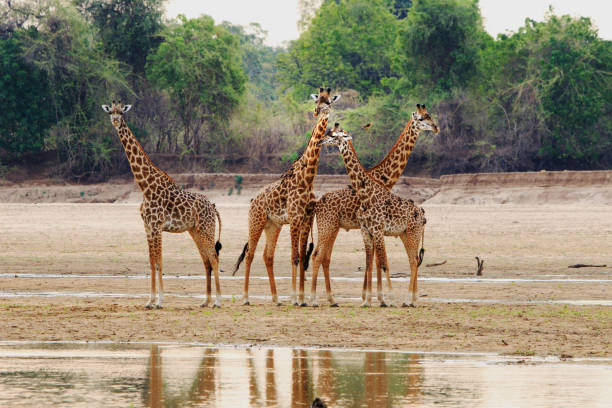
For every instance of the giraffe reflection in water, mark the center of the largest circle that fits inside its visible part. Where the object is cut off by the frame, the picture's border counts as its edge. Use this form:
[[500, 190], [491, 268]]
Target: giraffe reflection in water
[[282, 377]]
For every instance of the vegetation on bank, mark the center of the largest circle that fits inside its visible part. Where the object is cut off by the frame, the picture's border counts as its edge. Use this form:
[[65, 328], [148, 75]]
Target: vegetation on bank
[[214, 97]]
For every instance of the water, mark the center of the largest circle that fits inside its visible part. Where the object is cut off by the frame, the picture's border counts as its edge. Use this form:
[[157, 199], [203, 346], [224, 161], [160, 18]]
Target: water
[[287, 299], [174, 375], [552, 279]]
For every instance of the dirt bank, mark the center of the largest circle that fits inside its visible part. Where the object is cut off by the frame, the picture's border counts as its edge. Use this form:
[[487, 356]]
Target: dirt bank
[[236, 185], [531, 188]]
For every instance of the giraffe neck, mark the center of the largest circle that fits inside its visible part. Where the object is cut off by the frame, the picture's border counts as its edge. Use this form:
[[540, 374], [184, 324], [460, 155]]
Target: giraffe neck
[[312, 152], [141, 165], [356, 172], [389, 170]]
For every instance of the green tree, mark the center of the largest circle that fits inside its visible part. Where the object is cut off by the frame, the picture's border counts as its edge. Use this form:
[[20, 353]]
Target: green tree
[[129, 29], [348, 44], [199, 64], [258, 59], [439, 44], [563, 70], [79, 76], [24, 91]]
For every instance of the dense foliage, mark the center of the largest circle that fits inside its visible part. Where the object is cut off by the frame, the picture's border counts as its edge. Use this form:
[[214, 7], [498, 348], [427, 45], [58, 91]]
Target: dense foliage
[[211, 96], [199, 64]]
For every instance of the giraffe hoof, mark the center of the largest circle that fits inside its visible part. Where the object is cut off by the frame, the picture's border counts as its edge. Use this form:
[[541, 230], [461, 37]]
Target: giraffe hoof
[[315, 305], [296, 304], [204, 304], [216, 306], [334, 305], [149, 306], [364, 305], [279, 304], [158, 307], [303, 304], [383, 304], [246, 303], [408, 305]]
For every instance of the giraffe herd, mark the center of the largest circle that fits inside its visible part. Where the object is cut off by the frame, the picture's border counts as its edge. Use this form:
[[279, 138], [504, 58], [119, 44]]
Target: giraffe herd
[[367, 204]]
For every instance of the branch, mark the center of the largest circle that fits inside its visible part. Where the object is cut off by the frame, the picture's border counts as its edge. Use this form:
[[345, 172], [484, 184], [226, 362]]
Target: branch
[[480, 266], [586, 266], [436, 264]]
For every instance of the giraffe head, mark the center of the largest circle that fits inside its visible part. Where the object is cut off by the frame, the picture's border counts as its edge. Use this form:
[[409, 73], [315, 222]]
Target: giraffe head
[[116, 112], [323, 101], [336, 137], [423, 120]]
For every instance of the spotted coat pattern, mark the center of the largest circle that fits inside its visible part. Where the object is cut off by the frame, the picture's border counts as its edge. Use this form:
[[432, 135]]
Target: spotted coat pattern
[[166, 207]]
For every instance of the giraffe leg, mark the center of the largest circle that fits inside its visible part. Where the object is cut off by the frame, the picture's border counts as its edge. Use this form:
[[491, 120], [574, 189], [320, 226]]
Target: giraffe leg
[[203, 243], [379, 265], [325, 244], [154, 241], [295, 259], [411, 244], [257, 222], [383, 264], [272, 231], [369, 253], [305, 231], [213, 260], [369, 246]]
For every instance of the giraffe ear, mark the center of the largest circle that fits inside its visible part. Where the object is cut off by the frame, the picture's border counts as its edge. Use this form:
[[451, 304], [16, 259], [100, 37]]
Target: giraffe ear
[[314, 97], [126, 108], [106, 108], [335, 98]]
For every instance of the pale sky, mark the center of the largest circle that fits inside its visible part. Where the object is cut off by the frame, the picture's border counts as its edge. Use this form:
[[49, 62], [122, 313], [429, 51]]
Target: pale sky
[[279, 17]]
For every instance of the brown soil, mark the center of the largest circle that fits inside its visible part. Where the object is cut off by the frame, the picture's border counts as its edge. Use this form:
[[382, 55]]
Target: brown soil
[[515, 241]]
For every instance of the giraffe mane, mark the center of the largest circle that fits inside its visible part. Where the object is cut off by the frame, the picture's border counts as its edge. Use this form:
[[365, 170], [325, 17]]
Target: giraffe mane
[[146, 156], [289, 172], [352, 147]]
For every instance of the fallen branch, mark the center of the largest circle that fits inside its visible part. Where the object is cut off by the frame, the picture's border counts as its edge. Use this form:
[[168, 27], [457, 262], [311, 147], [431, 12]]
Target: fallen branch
[[479, 266], [436, 264], [587, 266]]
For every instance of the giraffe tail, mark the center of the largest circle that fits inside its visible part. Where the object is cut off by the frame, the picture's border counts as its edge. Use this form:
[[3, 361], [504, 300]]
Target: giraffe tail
[[240, 258], [218, 245], [311, 246], [307, 255], [422, 251]]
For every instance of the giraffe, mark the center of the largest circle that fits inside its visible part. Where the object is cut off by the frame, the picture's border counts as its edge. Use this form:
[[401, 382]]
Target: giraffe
[[382, 213], [338, 209], [165, 207], [289, 200]]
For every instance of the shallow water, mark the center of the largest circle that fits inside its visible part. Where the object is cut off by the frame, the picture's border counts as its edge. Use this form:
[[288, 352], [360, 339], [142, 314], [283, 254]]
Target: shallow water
[[172, 375], [552, 279], [287, 299]]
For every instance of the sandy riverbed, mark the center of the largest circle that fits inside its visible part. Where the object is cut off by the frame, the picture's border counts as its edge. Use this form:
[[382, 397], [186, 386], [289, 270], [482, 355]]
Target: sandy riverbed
[[526, 249]]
